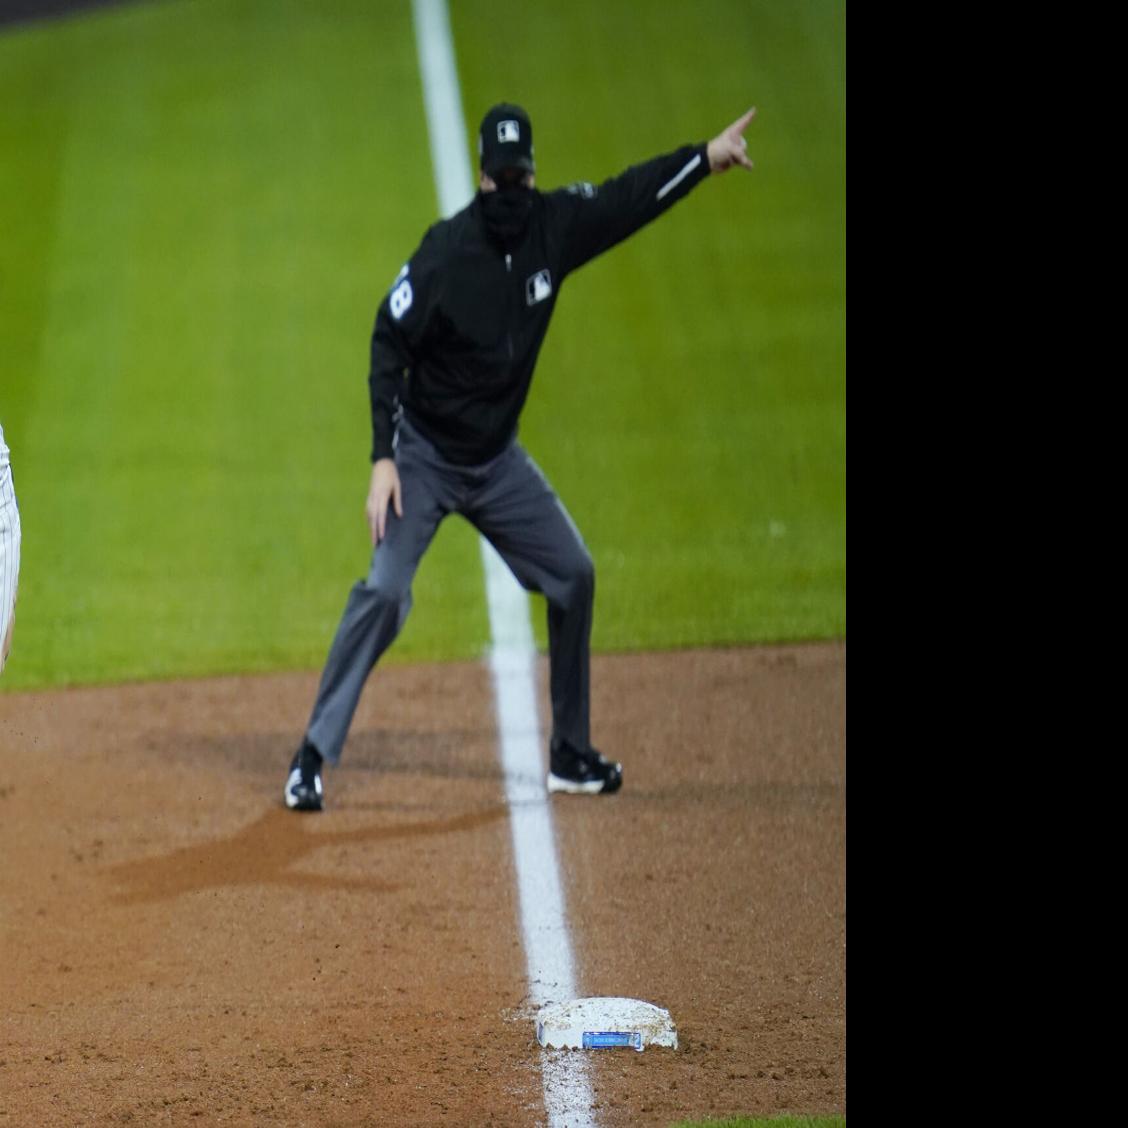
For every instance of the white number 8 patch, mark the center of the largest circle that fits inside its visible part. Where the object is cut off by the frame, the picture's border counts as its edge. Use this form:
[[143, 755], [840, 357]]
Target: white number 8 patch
[[400, 300]]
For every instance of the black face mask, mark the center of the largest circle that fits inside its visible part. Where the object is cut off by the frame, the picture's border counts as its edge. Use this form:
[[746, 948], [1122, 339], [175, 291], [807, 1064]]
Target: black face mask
[[507, 212]]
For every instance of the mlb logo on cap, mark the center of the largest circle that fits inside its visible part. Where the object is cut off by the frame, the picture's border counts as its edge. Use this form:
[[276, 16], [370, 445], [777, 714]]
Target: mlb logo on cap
[[505, 139]]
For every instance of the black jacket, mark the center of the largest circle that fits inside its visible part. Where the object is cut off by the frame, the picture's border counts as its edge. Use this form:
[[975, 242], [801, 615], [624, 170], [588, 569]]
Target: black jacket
[[457, 337]]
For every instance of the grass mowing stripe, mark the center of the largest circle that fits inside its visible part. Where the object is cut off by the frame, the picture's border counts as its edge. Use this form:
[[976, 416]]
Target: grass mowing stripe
[[189, 421]]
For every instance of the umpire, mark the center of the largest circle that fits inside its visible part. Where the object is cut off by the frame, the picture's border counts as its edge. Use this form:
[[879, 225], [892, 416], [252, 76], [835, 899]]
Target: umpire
[[453, 353]]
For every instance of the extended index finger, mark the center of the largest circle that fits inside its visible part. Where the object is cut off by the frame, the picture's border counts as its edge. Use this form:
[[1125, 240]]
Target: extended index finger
[[741, 123]]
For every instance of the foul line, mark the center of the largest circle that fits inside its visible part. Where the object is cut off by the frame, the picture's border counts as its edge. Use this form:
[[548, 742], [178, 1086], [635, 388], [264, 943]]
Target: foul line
[[544, 921]]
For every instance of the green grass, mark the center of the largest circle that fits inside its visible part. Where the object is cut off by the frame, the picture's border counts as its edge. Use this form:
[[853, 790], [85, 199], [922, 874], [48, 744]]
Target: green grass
[[690, 402], [205, 204], [770, 1122], [218, 194]]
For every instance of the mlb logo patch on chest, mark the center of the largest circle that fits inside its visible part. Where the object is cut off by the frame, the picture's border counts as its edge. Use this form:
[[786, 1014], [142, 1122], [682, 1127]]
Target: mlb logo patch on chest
[[538, 287]]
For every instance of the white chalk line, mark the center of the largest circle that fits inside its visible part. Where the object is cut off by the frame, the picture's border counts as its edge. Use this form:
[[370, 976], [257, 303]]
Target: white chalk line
[[544, 922]]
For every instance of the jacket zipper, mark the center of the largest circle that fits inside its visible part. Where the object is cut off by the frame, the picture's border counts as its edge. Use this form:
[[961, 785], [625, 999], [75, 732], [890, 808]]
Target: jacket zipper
[[509, 304]]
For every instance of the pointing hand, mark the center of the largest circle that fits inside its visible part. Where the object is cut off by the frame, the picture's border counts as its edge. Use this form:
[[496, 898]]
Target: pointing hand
[[729, 147]]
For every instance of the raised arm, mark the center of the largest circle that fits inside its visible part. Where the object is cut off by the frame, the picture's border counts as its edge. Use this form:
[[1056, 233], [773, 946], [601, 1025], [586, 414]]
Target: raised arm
[[597, 217]]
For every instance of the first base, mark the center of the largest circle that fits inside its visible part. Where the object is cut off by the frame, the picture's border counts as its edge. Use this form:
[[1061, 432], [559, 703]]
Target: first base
[[602, 1023]]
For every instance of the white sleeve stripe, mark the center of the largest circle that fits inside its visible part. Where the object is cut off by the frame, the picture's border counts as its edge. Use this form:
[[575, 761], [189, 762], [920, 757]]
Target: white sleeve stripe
[[670, 185]]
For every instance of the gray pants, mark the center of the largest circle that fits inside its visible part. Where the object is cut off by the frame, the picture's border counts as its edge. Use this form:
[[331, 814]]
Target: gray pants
[[511, 504]]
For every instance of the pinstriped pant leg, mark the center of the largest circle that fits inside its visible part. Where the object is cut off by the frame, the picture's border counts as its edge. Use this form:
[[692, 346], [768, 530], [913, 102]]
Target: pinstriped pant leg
[[10, 535]]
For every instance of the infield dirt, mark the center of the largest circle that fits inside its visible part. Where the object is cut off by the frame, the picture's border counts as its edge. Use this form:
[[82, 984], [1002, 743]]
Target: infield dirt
[[178, 948]]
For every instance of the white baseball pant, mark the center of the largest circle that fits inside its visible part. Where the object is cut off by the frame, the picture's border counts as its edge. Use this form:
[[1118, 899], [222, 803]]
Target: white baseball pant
[[9, 552]]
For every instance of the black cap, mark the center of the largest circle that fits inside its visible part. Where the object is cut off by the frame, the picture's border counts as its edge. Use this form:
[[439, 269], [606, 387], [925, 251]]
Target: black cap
[[505, 140]]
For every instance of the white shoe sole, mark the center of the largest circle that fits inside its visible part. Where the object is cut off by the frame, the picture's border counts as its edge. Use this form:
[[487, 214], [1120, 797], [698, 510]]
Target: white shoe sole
[[571, 787]]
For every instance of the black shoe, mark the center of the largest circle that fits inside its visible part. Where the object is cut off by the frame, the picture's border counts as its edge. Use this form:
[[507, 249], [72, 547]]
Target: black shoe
[[303, 787], [582, 773]]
